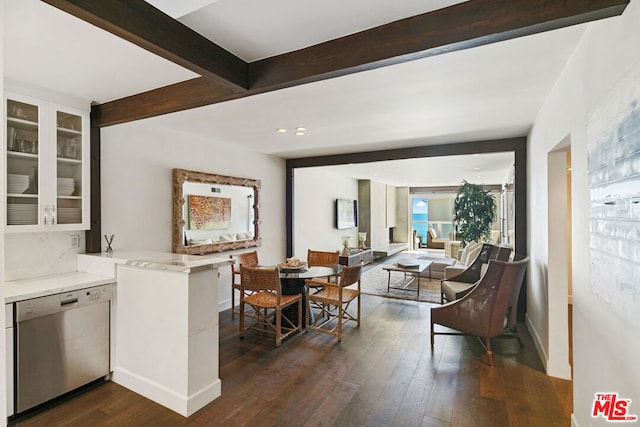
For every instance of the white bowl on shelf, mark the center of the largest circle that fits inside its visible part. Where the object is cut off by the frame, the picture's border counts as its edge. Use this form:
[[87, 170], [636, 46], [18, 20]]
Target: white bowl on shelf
[[17, 184], [66, 186]]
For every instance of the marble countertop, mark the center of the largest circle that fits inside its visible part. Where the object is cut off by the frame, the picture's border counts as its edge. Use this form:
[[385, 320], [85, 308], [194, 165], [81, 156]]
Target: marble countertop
[[100, 269], [153, 260], [19, 290]]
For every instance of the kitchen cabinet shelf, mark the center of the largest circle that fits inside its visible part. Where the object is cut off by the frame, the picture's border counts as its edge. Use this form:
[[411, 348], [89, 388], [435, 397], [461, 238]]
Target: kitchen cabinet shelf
[[65, 160], [23, 195], [69, 132], [48, 146], [22, 123], [20, 155]]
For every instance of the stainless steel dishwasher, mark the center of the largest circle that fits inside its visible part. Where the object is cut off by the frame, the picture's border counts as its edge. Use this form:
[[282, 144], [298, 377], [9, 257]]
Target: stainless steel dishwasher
[[62, 343]]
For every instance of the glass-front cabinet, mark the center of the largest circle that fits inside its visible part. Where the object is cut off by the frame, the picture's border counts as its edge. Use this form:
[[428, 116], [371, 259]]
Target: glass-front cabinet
[[47, 166]]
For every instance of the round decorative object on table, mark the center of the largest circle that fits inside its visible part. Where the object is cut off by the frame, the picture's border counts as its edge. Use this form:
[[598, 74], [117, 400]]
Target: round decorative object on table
[[345, 245], [362, 238], [288, 268]]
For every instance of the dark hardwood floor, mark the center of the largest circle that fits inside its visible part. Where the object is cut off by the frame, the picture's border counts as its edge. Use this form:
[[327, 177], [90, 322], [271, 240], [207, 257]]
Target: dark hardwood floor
[[382, 373]]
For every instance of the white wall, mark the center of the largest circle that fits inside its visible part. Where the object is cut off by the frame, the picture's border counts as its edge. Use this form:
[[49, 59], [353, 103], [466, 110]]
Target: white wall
[[315, 193], [605, 347], [3, 391], [137, 162]]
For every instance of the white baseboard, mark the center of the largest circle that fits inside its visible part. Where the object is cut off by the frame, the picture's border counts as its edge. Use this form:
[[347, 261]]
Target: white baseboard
[[177, 402], [559, 369], [224, 304], [536, 341]]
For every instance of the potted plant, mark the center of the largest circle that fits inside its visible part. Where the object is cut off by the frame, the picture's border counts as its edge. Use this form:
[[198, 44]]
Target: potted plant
[[474, 210]]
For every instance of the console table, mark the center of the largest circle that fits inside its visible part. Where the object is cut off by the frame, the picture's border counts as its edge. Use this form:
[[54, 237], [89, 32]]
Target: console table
[[355, 257]]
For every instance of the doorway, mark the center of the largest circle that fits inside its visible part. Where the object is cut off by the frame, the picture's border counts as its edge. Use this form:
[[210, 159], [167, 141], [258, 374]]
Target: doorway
[[420, 219], [559, 258]]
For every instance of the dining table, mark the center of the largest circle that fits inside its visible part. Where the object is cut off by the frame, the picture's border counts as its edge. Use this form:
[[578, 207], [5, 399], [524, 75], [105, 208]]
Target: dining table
[[292, 280]]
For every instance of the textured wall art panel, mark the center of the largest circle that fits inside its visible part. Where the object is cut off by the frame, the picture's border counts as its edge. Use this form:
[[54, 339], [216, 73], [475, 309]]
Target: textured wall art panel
[[209, 213], [613, 136]]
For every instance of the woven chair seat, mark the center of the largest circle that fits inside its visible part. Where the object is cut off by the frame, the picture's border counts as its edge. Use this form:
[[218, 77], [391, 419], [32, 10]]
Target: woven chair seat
[[264, 299], [330, 295]]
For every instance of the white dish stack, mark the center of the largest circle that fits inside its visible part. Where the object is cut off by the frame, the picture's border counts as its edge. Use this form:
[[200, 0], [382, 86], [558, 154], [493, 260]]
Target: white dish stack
[[22, 214], [17, 184], [66, 186], [69, 215]]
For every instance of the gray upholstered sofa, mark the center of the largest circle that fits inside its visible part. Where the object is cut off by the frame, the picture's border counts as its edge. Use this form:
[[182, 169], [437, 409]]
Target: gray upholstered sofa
[[451, 266]]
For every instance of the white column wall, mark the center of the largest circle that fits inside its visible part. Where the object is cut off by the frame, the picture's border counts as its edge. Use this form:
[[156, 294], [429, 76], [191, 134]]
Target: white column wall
[[605, 347], [314, 195], [137, 162], [3, 391], [379, 235]]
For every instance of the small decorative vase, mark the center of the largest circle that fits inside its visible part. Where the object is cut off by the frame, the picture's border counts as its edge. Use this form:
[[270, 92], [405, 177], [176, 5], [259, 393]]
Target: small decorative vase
[[345, 245], [109, 250], [362, 237]]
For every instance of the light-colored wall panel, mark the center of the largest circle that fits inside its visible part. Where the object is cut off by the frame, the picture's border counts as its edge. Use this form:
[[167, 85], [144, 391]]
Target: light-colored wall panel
[[606, 55], [315, 194]]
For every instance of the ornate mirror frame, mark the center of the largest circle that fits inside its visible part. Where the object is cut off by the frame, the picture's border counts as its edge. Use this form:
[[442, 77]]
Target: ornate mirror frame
[[180, 176]]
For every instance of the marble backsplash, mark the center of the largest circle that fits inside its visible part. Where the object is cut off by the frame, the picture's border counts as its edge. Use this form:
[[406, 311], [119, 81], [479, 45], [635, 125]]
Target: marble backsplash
[[29, 255]]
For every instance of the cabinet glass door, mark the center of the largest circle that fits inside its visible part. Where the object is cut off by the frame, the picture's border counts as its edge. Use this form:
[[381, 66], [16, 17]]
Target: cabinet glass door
[[23, 150], [69, 173]]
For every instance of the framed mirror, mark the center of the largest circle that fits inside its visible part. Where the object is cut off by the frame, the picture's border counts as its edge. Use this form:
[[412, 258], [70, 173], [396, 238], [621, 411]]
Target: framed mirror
[[214, 213]]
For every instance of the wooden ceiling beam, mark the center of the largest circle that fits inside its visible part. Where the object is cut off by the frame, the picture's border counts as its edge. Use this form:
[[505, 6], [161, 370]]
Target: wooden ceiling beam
[[180, 96], [462, 26], [142, 24], [458, 27]]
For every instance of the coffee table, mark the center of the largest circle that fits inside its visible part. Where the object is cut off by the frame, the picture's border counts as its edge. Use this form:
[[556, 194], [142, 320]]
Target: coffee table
[[411, 267]]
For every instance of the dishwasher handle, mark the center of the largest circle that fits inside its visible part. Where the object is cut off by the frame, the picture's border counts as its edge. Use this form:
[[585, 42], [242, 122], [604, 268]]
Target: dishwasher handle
[[68, 304]]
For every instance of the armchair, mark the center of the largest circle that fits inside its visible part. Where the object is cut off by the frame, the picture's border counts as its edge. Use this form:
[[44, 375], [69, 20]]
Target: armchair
[[433, 242], [488, 310], [455, 287]]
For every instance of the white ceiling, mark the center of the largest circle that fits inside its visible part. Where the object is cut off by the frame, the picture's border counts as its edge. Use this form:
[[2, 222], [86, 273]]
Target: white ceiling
[[488, 92]]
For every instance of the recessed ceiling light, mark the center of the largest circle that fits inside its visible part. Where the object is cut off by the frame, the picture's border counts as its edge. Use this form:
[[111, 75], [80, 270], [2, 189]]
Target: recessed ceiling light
[[301, 129], [281, 130], [299, 133], [476, 169]]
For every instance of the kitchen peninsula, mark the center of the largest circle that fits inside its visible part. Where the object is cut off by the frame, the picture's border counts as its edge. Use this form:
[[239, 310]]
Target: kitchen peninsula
[[164, 321], [165, 325]]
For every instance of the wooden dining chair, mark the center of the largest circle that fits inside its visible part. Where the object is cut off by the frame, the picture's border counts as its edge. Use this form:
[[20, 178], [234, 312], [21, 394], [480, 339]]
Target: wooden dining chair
[[247, 258], [260, 288], [335, 299], [323, 259]]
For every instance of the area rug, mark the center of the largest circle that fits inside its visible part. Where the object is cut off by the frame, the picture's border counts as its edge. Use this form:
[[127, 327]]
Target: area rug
[[374, 282]]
